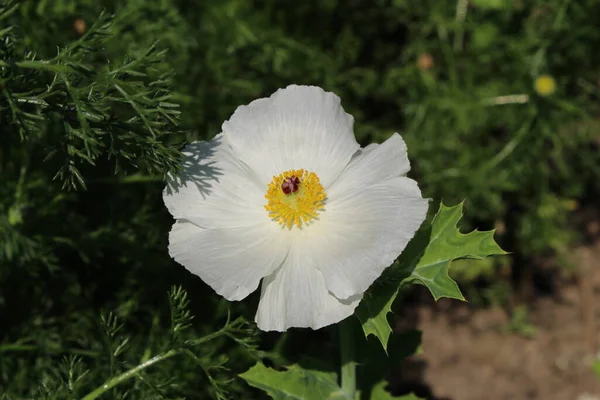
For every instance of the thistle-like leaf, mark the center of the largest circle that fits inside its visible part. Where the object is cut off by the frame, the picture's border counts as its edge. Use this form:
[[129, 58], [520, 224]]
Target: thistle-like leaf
[[294, 383], [426, 261]]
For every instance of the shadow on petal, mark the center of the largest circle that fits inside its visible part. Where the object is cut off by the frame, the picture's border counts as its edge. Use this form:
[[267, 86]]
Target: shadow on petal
[[198, 168]]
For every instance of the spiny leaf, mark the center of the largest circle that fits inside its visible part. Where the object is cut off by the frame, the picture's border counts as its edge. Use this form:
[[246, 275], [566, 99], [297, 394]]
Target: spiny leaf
[[294, 383], [447, 244], [426, 260], [371, 309]]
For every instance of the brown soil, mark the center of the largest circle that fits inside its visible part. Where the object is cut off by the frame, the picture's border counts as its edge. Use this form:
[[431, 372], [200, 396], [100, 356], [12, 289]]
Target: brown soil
[[470, 354]]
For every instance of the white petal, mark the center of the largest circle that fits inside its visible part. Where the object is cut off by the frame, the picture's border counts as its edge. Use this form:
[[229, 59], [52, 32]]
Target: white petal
[[373, 164], [232, 261], [363, 232], [297, 127], [215, 189], [296, 296]]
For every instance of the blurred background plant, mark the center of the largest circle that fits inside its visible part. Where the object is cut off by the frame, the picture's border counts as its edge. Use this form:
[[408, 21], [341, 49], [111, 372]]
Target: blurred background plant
[[497, 100]]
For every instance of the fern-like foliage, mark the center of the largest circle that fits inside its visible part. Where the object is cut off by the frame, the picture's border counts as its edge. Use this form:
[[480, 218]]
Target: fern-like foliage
[[86, 109], [85, 140]]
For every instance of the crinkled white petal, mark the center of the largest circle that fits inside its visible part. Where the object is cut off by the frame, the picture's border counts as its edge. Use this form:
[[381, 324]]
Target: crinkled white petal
[[371, 215], [299, 127], [375, 163], [362, 234], [232, 261], [296, 296], [215, 189]]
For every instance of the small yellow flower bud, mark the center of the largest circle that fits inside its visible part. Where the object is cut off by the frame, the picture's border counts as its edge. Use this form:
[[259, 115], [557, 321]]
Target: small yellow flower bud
[[545, 85]]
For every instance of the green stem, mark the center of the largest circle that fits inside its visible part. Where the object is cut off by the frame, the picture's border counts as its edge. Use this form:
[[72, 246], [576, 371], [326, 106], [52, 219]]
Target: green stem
[[348, 363], [15, 347], [130, 374], [167, 354]]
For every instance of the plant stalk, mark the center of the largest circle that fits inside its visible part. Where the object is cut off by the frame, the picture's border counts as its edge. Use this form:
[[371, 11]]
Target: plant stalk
[[156, 359], [348, 363]]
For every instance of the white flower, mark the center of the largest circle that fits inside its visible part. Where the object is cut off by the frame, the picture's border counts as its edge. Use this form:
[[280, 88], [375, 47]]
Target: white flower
[[285, 194]]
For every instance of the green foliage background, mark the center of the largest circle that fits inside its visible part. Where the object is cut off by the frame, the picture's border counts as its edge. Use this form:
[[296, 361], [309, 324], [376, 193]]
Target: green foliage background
[[89, 124]]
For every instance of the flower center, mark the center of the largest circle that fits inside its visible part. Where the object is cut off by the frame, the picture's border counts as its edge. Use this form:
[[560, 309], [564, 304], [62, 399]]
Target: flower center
[[295, 197]]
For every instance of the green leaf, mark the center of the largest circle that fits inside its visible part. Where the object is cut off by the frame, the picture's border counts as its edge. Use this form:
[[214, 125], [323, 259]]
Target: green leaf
[[379, 393], [446, 244], [425, 260], [372, 312], [294, 383]]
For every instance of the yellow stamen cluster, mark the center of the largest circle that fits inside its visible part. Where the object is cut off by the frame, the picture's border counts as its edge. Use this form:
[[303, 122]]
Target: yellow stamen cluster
[[299, 206]]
